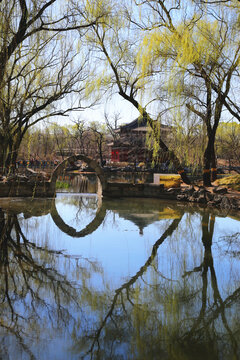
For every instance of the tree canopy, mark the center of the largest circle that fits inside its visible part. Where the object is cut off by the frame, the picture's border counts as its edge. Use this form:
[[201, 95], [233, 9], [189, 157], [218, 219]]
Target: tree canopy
[[168, 59]]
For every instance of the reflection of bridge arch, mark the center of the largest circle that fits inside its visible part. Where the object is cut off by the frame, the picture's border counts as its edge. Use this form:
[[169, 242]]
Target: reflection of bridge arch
[[89, 161], [90, 228]]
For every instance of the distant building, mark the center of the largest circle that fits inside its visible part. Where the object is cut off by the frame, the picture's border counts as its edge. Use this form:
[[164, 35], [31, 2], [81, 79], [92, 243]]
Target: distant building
[[130, 142]]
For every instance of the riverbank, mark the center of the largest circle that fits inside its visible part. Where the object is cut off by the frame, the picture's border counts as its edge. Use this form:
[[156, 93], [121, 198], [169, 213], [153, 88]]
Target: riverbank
[[216, 196]]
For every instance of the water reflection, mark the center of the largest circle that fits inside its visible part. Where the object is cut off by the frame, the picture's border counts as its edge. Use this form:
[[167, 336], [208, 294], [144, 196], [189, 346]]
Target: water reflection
[[88, 183], [171, 292], [35, 296]]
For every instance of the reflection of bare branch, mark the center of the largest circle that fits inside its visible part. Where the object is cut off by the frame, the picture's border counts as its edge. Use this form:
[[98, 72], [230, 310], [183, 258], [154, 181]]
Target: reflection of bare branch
[[217, 297], [126, 286], [162, 276], [94, 224], [15, 331], [231, 241], [196, 269], [26, 277], [219, 304]]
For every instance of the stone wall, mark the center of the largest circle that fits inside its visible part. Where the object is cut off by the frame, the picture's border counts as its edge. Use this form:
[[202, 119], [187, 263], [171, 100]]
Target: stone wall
[[218, 198], [27, 189], [118, 190]]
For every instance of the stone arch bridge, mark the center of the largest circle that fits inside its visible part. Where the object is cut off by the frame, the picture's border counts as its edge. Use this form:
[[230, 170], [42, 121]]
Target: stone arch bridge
[[73, 158], [38, 189], [109, 189]]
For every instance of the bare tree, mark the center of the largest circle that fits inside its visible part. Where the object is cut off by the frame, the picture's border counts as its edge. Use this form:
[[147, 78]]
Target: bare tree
[[112, 123], [98, 139], [79, 130], [37, 67]]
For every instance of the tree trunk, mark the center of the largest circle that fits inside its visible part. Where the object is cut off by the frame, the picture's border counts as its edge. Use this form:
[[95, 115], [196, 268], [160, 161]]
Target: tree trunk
[[210, 170], [101, 153], [207, 163], [9, 149], [214, 165], [5, 152]]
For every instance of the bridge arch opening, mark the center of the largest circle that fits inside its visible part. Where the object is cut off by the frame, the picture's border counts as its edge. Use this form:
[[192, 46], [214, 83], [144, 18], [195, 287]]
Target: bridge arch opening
[[89, 161], [88, 229]]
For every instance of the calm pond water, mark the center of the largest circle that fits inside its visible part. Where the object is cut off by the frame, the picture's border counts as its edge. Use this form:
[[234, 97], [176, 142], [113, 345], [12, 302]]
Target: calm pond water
[[85, 278]]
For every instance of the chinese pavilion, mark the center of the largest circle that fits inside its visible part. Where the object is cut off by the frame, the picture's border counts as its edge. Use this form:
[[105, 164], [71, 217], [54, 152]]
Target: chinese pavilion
[[129, 144]]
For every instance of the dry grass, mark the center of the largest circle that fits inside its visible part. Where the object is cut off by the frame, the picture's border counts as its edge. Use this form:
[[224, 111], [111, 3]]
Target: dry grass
[[231, 181]]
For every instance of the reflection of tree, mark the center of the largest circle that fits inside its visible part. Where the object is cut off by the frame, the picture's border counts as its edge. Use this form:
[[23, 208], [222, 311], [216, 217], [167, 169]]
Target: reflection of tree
[[35, 296], [205, 321], [163, 318], [154, 315], [128, 291], [231, 244], [91, 227]]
